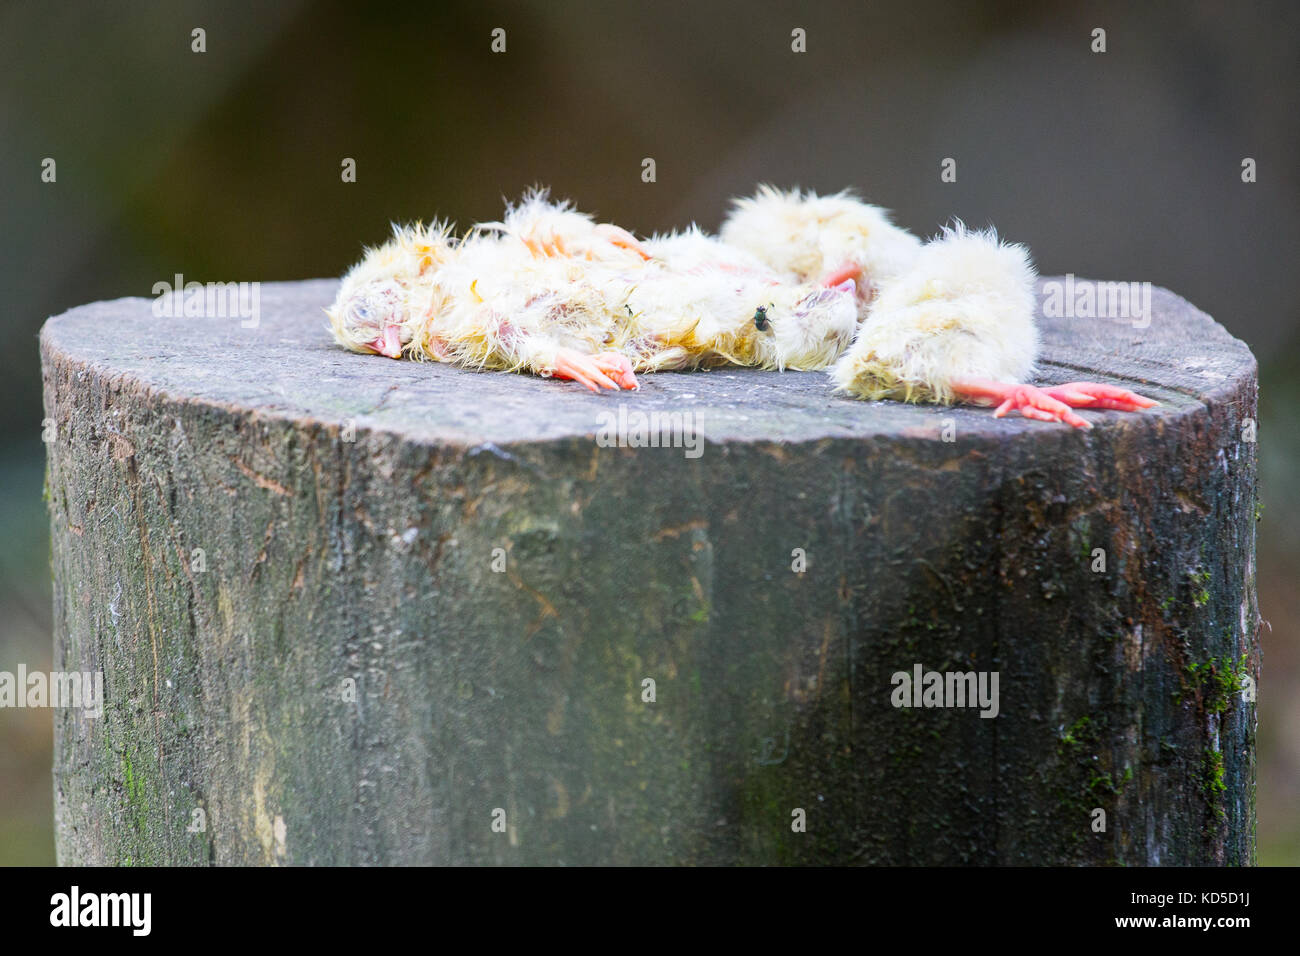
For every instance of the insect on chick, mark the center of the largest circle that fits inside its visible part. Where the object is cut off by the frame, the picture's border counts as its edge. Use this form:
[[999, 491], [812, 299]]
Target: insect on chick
[[761, 321]]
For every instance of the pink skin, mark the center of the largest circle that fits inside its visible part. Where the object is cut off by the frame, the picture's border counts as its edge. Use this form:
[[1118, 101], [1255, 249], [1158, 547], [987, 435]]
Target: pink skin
[[380, 299], [390, 343], [1050, 404], [846, 272], [603, 370], [862, 287]]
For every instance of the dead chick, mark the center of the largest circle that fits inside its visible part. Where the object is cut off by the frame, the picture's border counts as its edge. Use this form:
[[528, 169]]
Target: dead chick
[[792, 281]]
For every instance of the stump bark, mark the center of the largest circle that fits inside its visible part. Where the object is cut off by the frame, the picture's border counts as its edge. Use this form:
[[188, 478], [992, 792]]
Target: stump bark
[[363, 611]]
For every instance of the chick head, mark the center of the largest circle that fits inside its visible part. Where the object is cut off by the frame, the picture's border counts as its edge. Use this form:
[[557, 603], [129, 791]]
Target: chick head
[[371, 318], [374, 312]]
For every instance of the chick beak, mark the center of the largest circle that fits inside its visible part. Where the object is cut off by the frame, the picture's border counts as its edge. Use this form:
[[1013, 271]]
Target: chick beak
[[390, 343]]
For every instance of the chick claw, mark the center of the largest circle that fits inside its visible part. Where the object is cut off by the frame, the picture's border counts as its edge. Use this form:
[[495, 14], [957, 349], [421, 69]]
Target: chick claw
[[603, 370], [1095, 395], [1034, 402]]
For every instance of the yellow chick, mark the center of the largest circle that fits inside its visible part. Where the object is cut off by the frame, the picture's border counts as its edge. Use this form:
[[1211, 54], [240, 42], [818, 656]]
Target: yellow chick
[[792, 281]]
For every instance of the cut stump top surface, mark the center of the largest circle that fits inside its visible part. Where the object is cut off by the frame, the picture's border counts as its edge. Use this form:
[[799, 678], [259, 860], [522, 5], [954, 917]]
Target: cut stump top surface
[[289, 366]]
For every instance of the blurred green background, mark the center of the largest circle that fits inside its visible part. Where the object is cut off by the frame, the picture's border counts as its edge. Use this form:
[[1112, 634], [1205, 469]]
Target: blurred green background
[[225, 166]]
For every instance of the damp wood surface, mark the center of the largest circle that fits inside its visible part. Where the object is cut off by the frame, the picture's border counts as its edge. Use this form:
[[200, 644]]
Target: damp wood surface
[[247, 523]]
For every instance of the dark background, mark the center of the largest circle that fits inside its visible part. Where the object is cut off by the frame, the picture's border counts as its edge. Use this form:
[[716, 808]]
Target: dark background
[[225, 166]]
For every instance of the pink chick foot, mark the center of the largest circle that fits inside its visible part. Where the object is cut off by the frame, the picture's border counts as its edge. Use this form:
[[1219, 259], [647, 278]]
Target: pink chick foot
[[1051, 404], [604, 370]]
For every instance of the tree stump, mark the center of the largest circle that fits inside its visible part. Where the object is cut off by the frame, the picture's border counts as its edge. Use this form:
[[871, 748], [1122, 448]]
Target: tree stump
[[351, 610]]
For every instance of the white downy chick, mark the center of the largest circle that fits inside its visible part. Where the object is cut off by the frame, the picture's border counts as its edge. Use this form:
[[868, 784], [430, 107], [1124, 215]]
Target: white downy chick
[[816, 237], [963, 311]]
